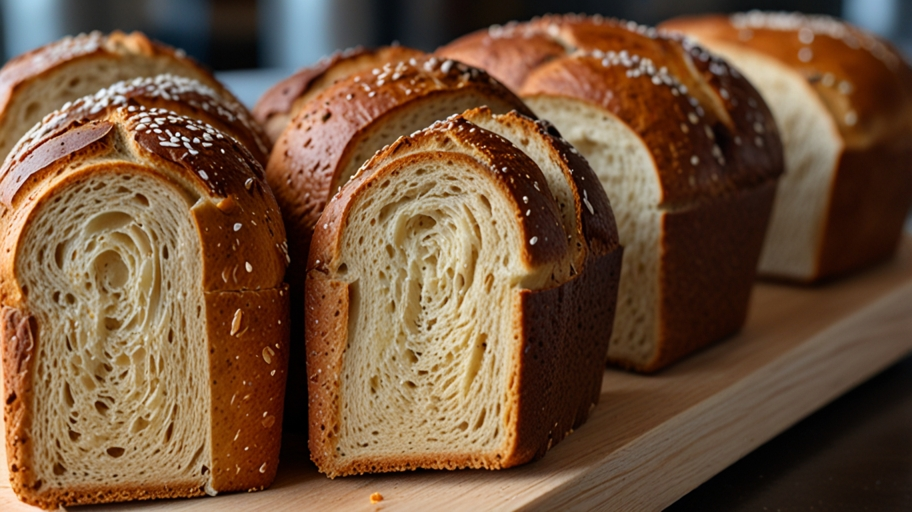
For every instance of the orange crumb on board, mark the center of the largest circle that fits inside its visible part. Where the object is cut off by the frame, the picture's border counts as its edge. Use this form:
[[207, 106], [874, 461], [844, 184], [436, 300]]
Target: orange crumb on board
[[376, 497]]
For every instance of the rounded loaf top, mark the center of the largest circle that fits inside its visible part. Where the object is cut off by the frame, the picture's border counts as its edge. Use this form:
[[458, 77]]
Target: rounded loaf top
[[862, 80], [243, 238], [708, 130]]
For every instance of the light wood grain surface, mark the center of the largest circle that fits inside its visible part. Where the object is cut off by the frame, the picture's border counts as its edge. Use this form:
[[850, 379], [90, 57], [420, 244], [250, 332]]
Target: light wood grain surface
[[651, 439]]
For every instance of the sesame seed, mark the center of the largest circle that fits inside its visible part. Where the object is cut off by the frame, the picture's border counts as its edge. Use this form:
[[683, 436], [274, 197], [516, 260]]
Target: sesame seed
[[533, 240], [693, 118], [237, 226], [236, 323], [528, 212], [851, 118], [694, 160], [525, 199], [758, 127], [248, 266], [203, 174], [587, 203], [684, 128]]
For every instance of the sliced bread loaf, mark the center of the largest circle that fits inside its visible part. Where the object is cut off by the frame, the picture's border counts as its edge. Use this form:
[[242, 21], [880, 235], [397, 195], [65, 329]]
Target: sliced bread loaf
[[843, 101], [686, 150], [144, 320], [342, 127], [448, 320]]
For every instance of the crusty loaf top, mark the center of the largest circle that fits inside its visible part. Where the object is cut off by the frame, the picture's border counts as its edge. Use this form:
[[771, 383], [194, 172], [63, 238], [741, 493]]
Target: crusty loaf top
[[34, 63], [285, 97], [595, 220], [180, 94], [306, 160], [708, 129], [864, 82], [508, 169], [242, 235]]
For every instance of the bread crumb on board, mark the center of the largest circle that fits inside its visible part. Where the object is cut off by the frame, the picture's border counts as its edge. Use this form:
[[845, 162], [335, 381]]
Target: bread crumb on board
[[376, 497]]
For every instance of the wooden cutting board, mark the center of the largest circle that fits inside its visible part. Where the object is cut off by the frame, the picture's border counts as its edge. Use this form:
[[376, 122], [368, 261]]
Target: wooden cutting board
[[651, 439]]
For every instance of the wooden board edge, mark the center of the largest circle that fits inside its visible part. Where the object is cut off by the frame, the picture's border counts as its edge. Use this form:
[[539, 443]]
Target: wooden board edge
[[666, 463]]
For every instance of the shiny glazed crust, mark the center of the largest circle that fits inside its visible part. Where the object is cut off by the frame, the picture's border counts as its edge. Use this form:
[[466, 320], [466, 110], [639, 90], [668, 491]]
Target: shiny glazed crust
[[309, 158], [282, 102]]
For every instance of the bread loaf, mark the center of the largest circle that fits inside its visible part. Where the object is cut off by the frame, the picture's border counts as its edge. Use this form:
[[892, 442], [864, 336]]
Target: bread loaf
[[144, 319], [843, 101], [342, 127], [683, 145], [448, 301], [282, 102], [42, 80]]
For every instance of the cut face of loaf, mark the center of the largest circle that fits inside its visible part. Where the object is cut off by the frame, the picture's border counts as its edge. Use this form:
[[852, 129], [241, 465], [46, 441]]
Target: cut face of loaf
[[341, 128], [843, 102], [686, 151], [44, 79], [442, 307], [144, 321], [282, 102]]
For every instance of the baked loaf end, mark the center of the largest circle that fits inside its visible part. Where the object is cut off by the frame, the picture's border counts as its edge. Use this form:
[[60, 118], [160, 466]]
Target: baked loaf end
[[130, 277], [843, 101], [443, 302], [282, 102], [43, 80], [686, 150], [342, 127]]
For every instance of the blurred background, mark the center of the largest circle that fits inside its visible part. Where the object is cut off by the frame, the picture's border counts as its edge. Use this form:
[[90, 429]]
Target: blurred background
[[275, 37]]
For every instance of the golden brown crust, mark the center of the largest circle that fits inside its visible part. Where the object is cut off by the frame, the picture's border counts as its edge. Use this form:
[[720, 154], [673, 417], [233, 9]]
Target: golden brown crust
[[862, 80], [19, 74], [563, 331], [707, 275], [282, 102], [228, 194], [509, 63], [871, 193], [207, 164], [699, 105], [509, 170], [305, 166], [865, 85], [247, 384], [713, 140], [594, 218]]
